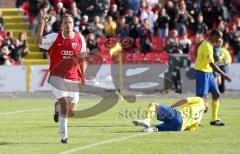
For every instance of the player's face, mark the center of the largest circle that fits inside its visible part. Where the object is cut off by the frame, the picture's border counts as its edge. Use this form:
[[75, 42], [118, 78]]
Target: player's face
[[67, 24], [217, 41]]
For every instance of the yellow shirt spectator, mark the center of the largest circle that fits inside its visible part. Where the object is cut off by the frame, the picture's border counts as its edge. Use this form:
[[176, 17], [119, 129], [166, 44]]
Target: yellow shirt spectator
[[110, 27]]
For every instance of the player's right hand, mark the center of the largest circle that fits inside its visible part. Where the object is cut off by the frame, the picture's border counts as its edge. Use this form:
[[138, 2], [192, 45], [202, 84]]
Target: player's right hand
[[228, 78], [44, 18], [83, 82]]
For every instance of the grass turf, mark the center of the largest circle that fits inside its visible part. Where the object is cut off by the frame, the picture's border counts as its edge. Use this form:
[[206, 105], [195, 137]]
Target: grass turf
[[27, 127]]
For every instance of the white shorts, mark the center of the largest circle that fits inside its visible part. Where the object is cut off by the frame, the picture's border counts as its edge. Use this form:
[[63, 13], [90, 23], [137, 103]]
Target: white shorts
[[60, 93]]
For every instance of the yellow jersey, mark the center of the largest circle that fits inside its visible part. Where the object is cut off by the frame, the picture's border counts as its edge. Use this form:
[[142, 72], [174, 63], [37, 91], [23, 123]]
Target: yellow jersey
[[227, 56], [192, 113], [110, 28], [204, 57]]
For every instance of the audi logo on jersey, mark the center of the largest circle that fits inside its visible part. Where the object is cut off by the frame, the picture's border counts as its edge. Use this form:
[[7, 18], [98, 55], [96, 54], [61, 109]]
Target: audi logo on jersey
[[66, 54]]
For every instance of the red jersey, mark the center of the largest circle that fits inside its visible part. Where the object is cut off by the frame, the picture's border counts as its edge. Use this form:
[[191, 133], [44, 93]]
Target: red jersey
[[64, 55]]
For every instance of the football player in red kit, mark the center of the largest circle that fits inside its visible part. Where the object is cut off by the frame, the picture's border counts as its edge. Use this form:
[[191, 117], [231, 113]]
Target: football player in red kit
[[67, 52]]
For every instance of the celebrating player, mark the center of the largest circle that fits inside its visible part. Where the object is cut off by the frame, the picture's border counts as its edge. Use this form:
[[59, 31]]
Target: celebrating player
[[187, 117], [67, 52], [204, 78]]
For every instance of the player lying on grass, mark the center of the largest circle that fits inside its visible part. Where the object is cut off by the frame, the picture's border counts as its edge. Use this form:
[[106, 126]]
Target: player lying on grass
[[187, 117]]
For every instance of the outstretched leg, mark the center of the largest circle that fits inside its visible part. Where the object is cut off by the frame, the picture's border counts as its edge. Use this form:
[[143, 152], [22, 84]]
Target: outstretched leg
[[151, 113]]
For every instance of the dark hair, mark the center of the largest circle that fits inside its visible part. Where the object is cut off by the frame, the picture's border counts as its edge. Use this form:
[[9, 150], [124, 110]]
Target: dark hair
[[216, 32]]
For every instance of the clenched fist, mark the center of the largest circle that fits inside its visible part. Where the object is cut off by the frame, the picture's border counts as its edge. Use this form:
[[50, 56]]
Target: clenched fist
[[45, 18]]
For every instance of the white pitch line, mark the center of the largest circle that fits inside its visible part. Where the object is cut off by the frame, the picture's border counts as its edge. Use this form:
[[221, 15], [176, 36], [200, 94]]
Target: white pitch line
[[101, 143], [21, 111], [31, 110]]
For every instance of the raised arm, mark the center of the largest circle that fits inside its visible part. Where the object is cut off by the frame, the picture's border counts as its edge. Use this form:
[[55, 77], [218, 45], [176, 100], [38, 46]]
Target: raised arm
[[38, 37]]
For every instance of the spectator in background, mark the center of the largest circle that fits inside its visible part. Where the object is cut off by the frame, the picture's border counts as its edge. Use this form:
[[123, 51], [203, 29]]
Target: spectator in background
[[219, 11], [74, 6], [143, 6], [61, 10], [66, 3], [110, 27], [145, 38], [150, 16], [129, 17], [162, 25], [172, 14], [200, 27], [134, 5], [194, 10], [89, 8], [208, 13], [234, 40], [103, 6], [222, 26], [122, 28], [84, 26], [238, 7], [172, 43], [8, 41], [135, 28], [185, 44], [33, 8], [20, 49], [103, 17], [96, 27], [92, 44], [152, 3], [182, 18], [56, 26], [75, 12], [114, 12], [122, 6], [5, 59]]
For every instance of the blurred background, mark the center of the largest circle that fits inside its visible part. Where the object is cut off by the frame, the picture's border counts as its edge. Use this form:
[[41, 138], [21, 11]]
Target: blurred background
[[162, 32]]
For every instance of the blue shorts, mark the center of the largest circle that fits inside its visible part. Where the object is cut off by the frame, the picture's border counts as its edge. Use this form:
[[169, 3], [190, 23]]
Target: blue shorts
[[205, 83], [172, 119]]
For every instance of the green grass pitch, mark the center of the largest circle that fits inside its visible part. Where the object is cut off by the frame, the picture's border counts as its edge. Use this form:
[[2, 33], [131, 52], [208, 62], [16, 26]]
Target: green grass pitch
[[26, 126]]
